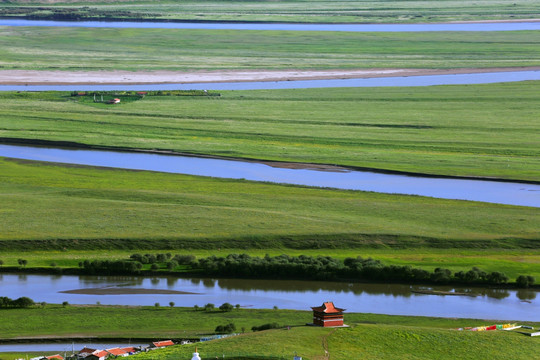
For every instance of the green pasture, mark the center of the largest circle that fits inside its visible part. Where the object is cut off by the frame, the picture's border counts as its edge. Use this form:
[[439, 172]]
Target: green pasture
[[164, 322], [462, 130], [86, 49], [64, 214], [387, 11]]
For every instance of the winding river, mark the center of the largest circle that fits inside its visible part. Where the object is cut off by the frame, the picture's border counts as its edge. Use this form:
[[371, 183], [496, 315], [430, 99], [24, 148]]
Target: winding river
[[335, 177], [466, 26]]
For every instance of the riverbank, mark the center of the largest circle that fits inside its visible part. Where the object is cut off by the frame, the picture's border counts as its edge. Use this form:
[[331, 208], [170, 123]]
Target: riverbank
[[36, 77]]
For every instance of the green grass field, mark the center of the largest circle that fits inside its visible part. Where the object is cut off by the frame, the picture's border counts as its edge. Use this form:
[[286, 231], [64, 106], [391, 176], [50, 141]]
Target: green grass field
[[285, 11], [378, 336], [463, 130], [84, 49], [48, 207]]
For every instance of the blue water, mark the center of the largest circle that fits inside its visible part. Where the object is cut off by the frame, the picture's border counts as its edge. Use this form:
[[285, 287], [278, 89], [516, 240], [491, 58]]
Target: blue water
[[500, 26], [428, 80], [395, 299], [473, 190]]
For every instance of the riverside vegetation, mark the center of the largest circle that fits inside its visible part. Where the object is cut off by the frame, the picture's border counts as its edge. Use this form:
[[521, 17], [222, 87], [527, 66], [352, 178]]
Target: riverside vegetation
[[386, 11], [97, 49]]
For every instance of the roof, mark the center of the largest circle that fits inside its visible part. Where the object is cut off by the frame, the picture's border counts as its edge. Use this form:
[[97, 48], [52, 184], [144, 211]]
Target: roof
[[57, 356], [87, 350], [130, 349], [328, 308], [163, 343], [100, 353], [117, 351]]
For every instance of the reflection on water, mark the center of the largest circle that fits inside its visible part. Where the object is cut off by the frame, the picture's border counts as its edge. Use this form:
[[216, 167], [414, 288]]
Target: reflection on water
[[502, 304]]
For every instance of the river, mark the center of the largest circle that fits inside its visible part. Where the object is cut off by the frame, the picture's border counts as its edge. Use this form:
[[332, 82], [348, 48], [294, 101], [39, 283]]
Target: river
[[300, 295], [335, 177], [470, 26], [424, 80]]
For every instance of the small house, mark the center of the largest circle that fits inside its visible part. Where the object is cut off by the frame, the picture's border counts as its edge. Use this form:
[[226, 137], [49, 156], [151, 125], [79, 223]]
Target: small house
[[98, 355], [160, 344], [117, 352], [327, 315]]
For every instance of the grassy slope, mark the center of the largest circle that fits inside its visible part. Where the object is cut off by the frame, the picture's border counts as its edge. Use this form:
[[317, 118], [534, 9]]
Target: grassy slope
[[83, 49], [475, 130], [82, 203], [378, 335], [313, 11]]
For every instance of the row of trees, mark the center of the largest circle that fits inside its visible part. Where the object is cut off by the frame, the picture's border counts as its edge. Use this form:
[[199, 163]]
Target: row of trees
[[328, 268], [22, 302]]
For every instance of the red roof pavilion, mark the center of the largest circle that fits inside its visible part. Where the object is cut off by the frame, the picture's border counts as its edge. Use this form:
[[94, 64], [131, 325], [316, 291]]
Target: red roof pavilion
[[327, 315]]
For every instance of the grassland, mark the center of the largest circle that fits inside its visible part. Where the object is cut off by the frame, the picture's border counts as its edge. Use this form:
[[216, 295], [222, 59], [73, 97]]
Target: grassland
[[388, 11], [63, 215], [378, 336], [466, 130], [84, 49]]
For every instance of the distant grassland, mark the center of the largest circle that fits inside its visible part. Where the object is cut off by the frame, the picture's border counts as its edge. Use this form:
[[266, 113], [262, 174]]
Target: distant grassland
[[283, 11], [49, 207], [464, 130], [84, 49]]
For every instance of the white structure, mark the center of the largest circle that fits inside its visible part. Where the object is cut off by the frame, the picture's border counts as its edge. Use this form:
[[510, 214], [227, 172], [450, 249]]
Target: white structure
[[196, 355]]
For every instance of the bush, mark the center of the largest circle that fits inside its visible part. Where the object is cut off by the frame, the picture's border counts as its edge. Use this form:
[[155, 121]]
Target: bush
[[266, 327], [524, 281], [65, 304], [154, 267], [225, 329], [226, 307], [209, 307]]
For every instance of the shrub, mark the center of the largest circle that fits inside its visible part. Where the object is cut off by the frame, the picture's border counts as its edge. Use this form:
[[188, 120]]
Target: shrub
[[227, 329], [266, 327], [226, 307], [209, 307]]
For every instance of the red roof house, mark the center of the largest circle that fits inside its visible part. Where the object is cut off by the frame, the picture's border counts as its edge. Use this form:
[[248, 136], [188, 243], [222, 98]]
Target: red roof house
[[117, 352], [57, 356], [162, 343], [98, 355], [131, 349], [327, 315]]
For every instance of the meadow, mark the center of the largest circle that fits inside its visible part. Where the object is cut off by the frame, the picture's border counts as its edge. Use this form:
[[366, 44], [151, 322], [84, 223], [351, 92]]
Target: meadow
[[377, 336], [86, 49], [65, 214], [387, 11], [462, 130]]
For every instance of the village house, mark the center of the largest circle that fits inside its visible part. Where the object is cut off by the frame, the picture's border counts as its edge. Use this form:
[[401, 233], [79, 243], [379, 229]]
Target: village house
[[327, 315], [160, 344]]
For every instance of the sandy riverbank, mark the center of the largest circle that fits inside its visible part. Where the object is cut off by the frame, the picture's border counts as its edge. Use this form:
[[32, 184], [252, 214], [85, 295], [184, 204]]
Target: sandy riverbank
[[35, 77]]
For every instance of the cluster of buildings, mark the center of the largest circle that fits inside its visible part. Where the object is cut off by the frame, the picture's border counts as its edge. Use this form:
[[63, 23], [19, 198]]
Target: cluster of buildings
[[99, 354]]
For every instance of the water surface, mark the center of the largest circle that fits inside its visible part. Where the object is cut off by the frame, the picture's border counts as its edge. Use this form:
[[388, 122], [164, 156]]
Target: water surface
[[498, 26], [473, 190], [393, 299]]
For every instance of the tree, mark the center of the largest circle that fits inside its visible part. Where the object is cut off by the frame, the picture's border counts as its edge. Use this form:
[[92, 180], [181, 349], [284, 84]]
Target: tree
[[1, 263], [237, 306], [209, 307], [171, 304], [65, 304], [22, 262], [156, 305], [196, 307], [226, 307], [171, 265], [524, 281], [23, 302], [154, 267]]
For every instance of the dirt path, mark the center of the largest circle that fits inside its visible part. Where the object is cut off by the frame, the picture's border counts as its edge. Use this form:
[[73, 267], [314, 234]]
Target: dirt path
[[35, 77]]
